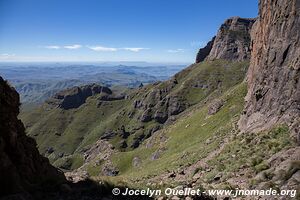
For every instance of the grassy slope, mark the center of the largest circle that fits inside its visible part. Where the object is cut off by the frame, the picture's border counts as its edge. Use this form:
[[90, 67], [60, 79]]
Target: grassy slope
[[186, 138], [193, 137], [187, 143], [77, 127], [81, 127]]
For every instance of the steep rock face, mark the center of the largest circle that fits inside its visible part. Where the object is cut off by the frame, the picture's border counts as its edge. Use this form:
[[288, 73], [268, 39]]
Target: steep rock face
[[274, 73], [22, 168], [76, 96], [159, 104], [204, 52], [232, 41]]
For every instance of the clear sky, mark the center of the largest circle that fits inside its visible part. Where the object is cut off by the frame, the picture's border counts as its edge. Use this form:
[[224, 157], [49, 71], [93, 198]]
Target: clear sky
[[112, 30]]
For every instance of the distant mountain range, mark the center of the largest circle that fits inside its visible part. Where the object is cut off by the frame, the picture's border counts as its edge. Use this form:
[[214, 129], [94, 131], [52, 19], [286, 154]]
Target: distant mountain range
[[38, 82]]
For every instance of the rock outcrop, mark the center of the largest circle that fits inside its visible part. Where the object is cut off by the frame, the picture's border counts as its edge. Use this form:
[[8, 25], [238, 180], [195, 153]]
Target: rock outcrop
[[274, 73], [204, 52], [215, 106], [22, 168], [76, 96], [158, 104], [231, 43]]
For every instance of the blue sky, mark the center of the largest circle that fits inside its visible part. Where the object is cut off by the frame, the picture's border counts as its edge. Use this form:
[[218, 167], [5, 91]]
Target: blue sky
[[112, 30]]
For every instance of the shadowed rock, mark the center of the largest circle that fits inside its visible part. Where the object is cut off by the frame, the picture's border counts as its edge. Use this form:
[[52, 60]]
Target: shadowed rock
[[204, 52], [22, 168], [76, 96]]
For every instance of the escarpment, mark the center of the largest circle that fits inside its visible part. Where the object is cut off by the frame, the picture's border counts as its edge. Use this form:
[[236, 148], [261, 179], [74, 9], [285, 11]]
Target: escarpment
[[274, 73], [232, 41], [22, 168], [204, 52], [159, 103], [76, 96]]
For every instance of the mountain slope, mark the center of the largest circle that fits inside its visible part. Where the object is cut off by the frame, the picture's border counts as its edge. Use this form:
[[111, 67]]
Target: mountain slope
[[184, 132], [65, 134], [127, 122], [22, 168]]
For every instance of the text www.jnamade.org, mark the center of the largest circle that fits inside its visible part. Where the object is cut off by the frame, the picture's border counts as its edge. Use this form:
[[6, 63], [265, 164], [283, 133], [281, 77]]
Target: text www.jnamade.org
[[197, 192]]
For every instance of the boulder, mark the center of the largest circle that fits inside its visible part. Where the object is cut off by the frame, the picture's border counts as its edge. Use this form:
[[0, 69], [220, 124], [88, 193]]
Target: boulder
[[215, 106], [123, 133], [108, 171], [146, 116], [108, 135], [123, 144], [136, 162]]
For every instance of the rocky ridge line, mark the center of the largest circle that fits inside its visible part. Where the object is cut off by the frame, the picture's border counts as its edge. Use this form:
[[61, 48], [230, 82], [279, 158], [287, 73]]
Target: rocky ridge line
[[76, 96], [232, 41]]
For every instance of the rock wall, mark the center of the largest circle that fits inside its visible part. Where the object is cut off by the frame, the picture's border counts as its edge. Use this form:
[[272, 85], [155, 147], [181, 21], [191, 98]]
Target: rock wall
[[22, 168], [274, 73], [76, 96], [204, 52], [231, 43], [159, 104]]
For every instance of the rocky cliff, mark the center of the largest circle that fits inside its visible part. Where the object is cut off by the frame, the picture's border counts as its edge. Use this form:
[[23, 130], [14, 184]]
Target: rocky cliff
[[22, 168], [274, 73], [232, 41], [76, 96], [204, 52]]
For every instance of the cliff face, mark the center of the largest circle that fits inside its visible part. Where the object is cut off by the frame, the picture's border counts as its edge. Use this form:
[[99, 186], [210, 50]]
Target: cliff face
[[204, 52], [22, 168], [231, 43], [274, 73], [76, 96]]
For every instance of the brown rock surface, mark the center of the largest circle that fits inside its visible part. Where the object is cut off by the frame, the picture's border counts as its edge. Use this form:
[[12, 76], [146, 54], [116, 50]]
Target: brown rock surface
[[159, 104], [274, 73], [215, 106], [76, 96], [233, 40], [22, 168]]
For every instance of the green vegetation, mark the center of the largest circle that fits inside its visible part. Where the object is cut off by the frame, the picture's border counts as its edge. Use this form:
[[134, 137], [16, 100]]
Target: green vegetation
[[250, 151], [200, 80], [186, 139], [93, 170], [70, 162], [71, 131], [261, 167], [194, 136]]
